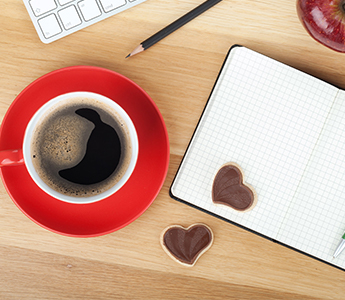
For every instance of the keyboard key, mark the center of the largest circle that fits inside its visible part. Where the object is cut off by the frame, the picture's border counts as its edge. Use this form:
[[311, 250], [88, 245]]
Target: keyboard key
[[109, 5], [40, 7], [63, 2], [49, 25], [69, 17], [89, 9]]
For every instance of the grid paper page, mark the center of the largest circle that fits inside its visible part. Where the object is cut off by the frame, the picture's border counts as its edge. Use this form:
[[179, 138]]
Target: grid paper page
[[266, 117], [316, 219]]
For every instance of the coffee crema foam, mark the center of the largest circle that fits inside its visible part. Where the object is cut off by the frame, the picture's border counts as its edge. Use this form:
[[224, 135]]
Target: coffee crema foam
[[61, 139]]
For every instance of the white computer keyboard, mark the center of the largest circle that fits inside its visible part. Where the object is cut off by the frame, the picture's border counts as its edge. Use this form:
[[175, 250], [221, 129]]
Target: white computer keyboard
[[54, 19]]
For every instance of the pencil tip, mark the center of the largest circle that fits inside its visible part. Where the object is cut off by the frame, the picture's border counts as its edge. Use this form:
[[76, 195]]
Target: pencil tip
[[137, 50]]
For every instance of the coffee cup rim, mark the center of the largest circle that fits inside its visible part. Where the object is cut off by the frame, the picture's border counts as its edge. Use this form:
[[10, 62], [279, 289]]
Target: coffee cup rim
[[29, 134]]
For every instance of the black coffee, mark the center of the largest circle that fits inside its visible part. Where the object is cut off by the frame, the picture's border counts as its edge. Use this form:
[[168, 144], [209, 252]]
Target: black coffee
[[81, 149]]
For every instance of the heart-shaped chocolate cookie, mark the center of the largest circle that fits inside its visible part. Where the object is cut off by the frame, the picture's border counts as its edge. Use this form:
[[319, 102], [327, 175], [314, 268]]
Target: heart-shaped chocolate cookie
[[186, 245], [229, 189]]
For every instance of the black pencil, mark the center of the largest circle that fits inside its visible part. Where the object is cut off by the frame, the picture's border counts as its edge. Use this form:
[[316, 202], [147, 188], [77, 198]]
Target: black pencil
[[173, 26]]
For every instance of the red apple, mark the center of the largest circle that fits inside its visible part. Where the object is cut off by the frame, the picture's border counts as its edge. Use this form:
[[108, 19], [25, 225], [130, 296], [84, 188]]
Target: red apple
[[325, 21]]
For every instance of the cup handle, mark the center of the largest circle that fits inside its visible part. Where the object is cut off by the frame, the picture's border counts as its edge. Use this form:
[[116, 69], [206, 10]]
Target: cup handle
[[11, 157]]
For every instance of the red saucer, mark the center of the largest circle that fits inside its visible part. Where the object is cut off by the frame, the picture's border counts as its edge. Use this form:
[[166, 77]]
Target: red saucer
[[116, 211]]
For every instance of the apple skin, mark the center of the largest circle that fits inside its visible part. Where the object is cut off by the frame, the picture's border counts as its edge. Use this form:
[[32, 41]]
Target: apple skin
[[324, 20]]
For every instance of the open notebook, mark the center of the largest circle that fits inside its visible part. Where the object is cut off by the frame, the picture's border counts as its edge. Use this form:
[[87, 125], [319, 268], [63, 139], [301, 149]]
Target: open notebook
[[286, 129]]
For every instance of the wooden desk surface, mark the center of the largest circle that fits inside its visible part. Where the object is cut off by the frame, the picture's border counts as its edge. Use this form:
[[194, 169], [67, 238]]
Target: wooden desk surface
[[178, 73]]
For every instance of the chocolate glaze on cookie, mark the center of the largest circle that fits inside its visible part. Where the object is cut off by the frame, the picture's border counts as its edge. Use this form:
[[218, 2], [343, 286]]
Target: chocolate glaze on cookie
[[229, 189], [186, 245]]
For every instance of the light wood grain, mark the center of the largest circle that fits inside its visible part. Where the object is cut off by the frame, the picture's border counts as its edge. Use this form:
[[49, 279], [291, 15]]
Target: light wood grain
[[178, 73]]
